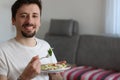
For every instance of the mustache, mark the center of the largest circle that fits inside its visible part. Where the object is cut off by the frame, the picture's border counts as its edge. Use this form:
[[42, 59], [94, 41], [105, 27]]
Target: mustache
[[27, 24]]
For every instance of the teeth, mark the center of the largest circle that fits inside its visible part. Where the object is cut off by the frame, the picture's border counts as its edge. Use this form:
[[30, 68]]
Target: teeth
[[28, 28]]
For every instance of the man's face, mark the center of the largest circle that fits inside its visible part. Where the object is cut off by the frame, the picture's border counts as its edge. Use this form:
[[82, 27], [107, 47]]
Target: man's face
[[27, 20]]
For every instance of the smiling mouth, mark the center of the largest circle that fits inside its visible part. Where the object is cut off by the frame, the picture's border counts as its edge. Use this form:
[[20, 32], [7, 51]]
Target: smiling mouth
[[29, 28]]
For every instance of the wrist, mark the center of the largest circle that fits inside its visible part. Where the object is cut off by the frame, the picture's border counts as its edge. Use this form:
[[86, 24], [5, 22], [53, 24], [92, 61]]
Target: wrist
[[22, 78], [19, 78]]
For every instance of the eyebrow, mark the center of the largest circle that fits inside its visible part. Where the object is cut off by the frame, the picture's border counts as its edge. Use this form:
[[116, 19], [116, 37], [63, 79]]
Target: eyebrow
[[27, 13]]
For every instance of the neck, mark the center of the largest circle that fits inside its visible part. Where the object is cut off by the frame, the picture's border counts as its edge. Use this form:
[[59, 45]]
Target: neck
[[31, 42]]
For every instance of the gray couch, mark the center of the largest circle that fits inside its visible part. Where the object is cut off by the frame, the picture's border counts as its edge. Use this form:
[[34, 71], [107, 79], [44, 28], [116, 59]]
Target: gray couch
[[98, 51]]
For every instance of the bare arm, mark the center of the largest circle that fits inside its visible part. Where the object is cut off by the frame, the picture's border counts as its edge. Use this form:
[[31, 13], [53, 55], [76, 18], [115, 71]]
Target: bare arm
[[3, 77]]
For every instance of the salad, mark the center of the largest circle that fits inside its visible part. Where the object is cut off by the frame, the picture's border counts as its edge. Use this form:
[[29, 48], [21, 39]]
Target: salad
[[54, 66]]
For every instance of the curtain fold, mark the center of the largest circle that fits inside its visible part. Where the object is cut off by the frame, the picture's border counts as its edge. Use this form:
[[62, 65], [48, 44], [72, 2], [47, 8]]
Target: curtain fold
[[112, 23]]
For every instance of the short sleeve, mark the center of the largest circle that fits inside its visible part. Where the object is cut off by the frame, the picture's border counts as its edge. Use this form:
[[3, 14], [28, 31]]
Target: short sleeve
[[3, 64]]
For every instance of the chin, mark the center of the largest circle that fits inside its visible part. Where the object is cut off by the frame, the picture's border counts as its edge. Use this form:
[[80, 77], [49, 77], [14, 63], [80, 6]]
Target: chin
[[26, 35]]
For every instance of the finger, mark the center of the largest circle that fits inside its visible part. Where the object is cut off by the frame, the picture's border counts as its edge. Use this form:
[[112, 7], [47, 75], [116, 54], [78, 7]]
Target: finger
[[60, 62], [36, 64], [54, 74], [38, 67], [34, 58]]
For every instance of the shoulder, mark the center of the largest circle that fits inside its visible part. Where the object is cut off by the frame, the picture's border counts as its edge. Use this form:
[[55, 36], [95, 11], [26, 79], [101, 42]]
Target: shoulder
[[43, 42], [6, 44]]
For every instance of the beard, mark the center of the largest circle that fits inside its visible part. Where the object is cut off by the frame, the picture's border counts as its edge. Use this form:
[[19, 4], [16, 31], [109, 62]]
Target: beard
[[28, 35]]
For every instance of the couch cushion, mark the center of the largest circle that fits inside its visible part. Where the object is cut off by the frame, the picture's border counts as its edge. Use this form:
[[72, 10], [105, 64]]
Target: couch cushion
[[99, 51], [61, 27]]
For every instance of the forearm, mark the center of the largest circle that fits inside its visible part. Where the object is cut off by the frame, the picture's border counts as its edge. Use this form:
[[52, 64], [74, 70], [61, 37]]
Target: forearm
[[22, 78], [3, 77]]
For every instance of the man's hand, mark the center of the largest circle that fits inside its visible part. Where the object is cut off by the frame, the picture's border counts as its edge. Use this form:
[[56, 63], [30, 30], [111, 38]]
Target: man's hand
[[32, 69], [60, 62], [55, 76]]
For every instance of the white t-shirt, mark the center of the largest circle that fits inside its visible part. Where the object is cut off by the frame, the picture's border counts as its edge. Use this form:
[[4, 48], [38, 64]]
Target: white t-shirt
[[14, 57]]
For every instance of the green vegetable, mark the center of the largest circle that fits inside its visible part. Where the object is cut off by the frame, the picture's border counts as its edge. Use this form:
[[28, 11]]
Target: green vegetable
[[50, 51]]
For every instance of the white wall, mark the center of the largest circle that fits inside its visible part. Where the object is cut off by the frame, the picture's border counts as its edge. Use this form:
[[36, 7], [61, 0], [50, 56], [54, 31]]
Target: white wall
[[89, 14], [6, 29]]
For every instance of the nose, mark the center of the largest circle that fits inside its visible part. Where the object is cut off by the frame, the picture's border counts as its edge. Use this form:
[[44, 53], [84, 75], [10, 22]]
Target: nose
[[29, 19]]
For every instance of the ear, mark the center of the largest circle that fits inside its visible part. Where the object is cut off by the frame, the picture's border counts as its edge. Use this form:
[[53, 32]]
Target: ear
[[13, 21]]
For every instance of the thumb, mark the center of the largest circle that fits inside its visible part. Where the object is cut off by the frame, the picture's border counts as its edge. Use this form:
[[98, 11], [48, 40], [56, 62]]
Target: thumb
[[34, 58]]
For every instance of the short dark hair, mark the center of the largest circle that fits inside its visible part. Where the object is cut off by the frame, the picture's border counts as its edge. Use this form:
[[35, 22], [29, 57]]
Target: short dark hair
[[19, 3]]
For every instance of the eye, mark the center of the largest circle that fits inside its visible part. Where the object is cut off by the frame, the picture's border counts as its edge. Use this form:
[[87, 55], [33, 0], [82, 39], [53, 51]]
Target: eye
[[35, 16], [23, 16]]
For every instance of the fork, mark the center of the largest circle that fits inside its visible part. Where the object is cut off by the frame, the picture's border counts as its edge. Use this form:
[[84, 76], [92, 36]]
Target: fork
[[49, 53], [45, 57]]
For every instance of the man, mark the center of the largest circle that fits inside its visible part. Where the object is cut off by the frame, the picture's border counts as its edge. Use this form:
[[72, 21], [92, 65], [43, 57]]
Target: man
[[20, 56]]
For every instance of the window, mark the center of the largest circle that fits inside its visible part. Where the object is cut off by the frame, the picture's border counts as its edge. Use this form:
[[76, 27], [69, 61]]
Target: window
[[113, 17]]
